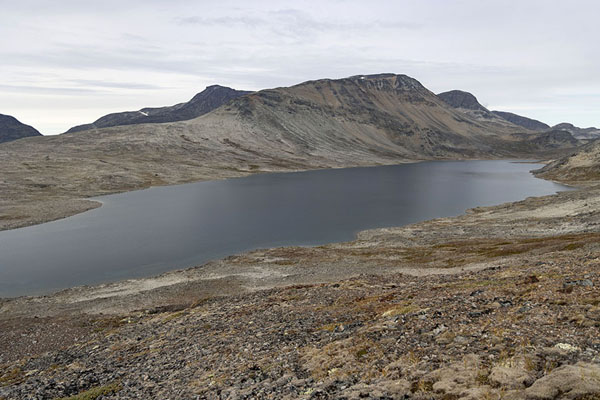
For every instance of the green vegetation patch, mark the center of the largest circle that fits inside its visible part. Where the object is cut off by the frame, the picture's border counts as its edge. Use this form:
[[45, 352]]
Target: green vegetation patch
[[11, 376], [96, 392]]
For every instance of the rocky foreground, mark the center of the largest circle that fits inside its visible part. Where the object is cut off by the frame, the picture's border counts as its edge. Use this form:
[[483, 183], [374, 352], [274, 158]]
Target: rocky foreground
[[500, 303]]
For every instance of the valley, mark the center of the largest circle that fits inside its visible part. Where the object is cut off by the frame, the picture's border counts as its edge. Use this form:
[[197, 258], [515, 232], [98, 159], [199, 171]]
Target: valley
[[500, 302]]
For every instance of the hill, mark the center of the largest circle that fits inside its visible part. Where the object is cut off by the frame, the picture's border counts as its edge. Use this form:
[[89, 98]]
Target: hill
[[12, 129]]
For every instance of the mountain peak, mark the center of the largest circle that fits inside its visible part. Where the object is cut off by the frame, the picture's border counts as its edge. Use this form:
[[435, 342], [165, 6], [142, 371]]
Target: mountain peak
[[383, 81], [461, 99]]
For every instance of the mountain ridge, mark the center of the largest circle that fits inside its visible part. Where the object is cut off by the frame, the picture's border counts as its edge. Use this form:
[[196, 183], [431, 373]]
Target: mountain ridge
[[12, 129], [590, 133], [520, 120], [204, 102]]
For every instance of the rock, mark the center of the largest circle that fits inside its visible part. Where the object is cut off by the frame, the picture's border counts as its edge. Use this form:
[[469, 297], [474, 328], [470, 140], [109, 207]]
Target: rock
[[439, 329], [384, 389], [568, 382], [581, 282], [510, 377], [567, 347], [455, 378]]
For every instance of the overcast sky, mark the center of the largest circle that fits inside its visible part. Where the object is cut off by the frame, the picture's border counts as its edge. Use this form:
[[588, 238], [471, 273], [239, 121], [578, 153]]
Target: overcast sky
[[68, 62]]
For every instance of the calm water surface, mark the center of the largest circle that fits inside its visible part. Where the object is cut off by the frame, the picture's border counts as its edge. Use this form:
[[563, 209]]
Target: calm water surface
[[151, 231]]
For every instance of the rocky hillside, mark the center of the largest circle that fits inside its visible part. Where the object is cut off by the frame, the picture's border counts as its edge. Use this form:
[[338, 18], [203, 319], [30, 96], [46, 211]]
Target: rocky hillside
[[525, 122], [580, 133], [386, 114], [356, 121], [12, 129], [582, 166], [204, 102]]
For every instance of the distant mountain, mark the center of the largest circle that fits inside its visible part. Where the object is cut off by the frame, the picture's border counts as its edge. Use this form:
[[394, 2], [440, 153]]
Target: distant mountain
[[460, 99], [468, 104], [580, 133], [12, 129], [204, 102], [555, 139], [525, 122]]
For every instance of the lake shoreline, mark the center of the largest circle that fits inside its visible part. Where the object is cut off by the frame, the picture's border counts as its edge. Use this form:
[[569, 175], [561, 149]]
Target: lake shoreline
[[209, 271], [160, 229]]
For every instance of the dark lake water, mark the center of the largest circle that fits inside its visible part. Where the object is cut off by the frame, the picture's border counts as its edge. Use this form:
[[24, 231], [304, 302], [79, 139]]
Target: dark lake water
[[151, 231]]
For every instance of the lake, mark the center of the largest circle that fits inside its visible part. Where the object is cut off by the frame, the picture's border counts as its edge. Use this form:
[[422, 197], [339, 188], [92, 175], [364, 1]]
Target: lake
[[147, 232]]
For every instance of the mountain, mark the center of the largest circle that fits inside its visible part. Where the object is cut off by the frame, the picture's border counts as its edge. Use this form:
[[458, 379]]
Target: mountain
[[362, 120], [209, 99], [468, 104], [583, 165], [555, 138], [560, 136], [580, 133], [12, 129], [525, 122]]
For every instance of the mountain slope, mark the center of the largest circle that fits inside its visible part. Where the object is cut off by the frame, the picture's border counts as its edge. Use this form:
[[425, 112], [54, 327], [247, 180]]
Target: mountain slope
[[386, 113], [583, 165], [356, 121], [209, 99], [525, 122], [12, 129]]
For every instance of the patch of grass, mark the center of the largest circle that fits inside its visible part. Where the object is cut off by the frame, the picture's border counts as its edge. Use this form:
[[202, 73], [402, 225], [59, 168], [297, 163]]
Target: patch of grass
[[482, 377], [361, 353], [421, 386], [108, 323], [96, 392], [401, 309], [173, 316], [573, 246], [11, 376], [329, 327]]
